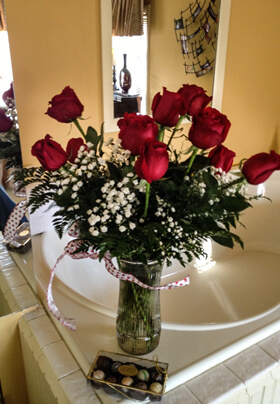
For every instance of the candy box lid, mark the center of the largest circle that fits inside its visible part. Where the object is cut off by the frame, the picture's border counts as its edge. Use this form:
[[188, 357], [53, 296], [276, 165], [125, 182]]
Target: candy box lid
[[125, 376]]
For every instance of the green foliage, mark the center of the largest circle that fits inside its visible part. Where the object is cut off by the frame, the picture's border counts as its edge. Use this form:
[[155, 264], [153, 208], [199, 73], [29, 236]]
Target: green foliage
[[95, 139]]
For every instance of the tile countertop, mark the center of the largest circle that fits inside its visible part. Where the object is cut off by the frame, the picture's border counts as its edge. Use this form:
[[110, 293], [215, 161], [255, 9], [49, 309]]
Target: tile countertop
[[252, 376], [193, 354]]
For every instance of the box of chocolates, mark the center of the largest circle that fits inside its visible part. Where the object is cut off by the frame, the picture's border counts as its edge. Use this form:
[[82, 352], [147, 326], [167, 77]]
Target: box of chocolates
[[128, 376]]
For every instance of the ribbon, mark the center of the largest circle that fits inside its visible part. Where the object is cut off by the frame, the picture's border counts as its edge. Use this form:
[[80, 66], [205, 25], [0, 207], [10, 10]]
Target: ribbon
[[14, 220], [70, 250]]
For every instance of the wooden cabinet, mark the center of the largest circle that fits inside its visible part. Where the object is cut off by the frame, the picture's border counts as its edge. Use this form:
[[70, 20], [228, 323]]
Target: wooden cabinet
[[126, 103]]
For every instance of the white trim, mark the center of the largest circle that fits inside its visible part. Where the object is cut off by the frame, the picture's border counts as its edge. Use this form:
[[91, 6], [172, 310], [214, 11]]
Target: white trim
[[110, 124], [221, 54]]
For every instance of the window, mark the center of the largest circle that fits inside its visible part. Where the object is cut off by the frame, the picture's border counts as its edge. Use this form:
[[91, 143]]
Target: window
[[6, 75]]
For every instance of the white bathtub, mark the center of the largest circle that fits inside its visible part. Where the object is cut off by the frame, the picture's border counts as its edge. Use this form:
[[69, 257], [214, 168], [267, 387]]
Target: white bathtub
[[233, 304]]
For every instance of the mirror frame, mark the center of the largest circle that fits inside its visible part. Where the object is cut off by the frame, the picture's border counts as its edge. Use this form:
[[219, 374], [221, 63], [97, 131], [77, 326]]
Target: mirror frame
[[110, 123]]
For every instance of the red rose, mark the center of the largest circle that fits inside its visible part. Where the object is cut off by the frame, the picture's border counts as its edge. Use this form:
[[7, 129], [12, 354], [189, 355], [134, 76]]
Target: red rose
[[5, 122], [166, 108], [194, 99], [9, 95], [73, 146], [65, 107], [258, 168], [209, 128], [153, 161], [135, 130], [50, 154], [222, 157]]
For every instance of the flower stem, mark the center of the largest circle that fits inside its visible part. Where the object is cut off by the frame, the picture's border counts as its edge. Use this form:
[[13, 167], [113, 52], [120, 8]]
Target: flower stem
[[161, 133], [239, 181], [176, 128], [148, 187], [194, 153], [76, 122]]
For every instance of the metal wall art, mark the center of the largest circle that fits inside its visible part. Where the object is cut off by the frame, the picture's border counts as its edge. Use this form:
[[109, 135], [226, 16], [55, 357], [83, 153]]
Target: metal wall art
[[196, 32]]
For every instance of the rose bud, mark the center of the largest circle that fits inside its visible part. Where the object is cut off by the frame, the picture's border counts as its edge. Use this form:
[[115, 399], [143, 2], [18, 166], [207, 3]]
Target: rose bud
[[194, 99], [50, 154], [166, 108], [258, 168], [153, 161], [66, 106], [209, 128], [222, 157], [135, 130], [73, 147], [8, 96], [5, 122]]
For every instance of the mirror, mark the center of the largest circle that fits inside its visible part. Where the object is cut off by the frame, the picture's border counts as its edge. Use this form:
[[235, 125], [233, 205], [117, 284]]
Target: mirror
[[16, 260], [219, 71]]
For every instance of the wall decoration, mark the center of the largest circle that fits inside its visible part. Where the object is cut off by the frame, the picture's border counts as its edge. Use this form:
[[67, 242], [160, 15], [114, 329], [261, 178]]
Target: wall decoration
[[196, 31]]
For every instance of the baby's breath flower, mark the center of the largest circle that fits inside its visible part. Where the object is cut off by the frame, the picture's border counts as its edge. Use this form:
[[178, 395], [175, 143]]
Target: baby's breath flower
[[109, 142], [101, 161]]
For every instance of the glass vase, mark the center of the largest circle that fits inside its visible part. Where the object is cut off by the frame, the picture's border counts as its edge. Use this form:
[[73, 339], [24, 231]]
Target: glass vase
[[138, 319]]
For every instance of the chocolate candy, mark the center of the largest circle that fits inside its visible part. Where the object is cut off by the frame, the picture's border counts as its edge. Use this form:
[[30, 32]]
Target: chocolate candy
[[128, 369], [98, 374], [156, 376], [103, 362], [141, 386], [156, 387], [140, 395], [111, 379], [143, 375], [115, 365], [127, 381], [107, 388]]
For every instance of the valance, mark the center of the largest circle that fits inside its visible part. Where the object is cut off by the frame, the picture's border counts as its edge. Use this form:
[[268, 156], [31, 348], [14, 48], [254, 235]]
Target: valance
[[127, 17]]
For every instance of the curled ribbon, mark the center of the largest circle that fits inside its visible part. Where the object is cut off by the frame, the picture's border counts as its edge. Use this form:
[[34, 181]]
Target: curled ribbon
[[14, 220], [71, 250]]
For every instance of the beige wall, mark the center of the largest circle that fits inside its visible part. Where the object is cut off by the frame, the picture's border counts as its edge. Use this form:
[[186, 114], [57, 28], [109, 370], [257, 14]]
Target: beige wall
[[54, 44], [11, 363], [57, 43], [252, 84]]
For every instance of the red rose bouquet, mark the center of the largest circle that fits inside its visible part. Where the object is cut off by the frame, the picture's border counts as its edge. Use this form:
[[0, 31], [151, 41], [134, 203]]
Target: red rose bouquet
[[138, 197], [9, 132]]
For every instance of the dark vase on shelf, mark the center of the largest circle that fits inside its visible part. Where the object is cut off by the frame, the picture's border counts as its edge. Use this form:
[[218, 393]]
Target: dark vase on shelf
[[125, 77]]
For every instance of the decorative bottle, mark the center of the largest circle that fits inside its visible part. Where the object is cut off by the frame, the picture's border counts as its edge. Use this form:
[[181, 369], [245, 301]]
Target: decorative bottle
[[125, 77]]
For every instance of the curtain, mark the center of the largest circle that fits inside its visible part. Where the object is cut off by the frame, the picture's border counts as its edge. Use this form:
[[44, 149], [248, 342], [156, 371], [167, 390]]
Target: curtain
[[127, 17], [2, 17]]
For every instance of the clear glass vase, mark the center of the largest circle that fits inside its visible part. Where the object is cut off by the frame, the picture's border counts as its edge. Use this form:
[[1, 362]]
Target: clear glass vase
[[138, 320]]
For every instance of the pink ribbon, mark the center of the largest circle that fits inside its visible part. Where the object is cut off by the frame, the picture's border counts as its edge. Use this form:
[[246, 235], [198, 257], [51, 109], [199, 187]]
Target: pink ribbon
[[71, 250], [14, 220]]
